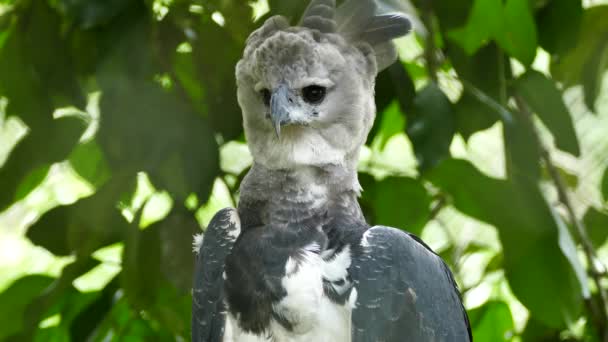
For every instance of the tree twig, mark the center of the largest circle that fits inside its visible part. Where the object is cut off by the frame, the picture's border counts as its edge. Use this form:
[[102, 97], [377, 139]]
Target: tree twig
[[601, 312]]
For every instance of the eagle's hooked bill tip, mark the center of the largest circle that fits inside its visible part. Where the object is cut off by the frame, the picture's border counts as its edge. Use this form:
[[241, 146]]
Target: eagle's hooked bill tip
[[277, 129]]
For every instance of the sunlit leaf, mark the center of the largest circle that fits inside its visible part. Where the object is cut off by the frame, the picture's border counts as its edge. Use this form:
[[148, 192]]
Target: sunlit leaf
[[518, 35], [402, 203], [535, 264], [83, 227], [88, 161], [604, 185], [392, 123], [34, 152], [485, 21], [31, 181], [15, 300], [492, 321]]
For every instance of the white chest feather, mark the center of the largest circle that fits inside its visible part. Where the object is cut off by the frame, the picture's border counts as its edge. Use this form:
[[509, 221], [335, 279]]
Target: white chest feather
[[314, 316]]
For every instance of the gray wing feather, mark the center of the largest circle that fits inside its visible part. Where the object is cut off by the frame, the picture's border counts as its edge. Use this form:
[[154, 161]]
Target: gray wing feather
[[208, 308], [405, 291]]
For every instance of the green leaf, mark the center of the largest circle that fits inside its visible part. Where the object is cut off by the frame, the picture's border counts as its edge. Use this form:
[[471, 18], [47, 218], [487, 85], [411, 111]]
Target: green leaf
[[585, 63], [31, 181], [596, 222], [148, 128], [92, 13], [83, 227], [453, 14], [431, 126], [484, 23], [177, 263], [537, 331], [543, 97], [604, 185], [492, 322], [51, 230], [405, 90], [141, 261], [593, 74], [291, 9], [46, 49], [34, 151], [511, 26], [472, 115], [481, 69], [392, 84], [88, 161], [401, 202], [537, 250], [522, 152], [518, 34], [86, 321], [15, 300], [52, 334], [553, 35], [392, 122], [216, 72]]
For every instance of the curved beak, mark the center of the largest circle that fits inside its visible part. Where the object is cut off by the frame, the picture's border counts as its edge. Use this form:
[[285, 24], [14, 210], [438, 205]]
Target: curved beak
[[281, 102]]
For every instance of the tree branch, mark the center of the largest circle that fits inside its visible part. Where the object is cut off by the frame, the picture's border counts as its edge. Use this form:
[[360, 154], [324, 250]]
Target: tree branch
[[600, 313]]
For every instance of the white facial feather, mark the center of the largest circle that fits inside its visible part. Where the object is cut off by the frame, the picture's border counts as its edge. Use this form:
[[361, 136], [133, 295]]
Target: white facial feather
[[330, 132]]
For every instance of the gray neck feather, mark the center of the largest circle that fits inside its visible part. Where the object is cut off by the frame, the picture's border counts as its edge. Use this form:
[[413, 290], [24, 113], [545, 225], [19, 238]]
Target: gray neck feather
[[304, 195]]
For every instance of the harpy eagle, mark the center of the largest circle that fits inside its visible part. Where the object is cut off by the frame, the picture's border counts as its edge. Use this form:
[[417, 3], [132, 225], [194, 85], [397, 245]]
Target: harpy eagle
[[297, 261]]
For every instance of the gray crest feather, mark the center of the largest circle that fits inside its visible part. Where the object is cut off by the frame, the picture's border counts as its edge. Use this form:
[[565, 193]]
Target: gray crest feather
[[354, 15], [319, 15], [361, 21], [319, 23], [383, 28], [386, 54]]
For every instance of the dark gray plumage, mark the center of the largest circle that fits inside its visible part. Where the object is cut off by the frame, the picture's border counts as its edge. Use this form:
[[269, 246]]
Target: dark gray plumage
[[405, 291], [305, 265], [208, 307]]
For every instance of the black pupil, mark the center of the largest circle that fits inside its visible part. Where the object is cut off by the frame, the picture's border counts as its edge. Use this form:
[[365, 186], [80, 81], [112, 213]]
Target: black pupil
[[313, 94], [266, 96]]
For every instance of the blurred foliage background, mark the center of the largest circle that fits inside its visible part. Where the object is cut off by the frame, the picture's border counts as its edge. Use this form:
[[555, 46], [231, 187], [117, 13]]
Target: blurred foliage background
[[120, 136]]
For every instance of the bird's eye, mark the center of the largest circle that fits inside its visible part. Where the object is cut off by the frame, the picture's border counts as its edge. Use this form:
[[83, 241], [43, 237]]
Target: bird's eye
[[265, 93], [314, 93]]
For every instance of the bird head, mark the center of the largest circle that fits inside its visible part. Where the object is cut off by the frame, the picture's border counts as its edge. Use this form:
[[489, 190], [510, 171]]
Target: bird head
[[307, 91]]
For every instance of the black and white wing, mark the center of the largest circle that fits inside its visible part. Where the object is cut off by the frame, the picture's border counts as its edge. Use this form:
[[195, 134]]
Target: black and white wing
[[208, 307], [404, 292]]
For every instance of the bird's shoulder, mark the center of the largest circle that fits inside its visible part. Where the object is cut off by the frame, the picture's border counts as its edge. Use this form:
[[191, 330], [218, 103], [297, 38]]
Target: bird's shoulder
[[225, 226], [399, 279]]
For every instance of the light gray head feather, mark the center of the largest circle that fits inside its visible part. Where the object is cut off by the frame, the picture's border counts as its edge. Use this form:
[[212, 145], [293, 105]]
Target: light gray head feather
[[340, 49]]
